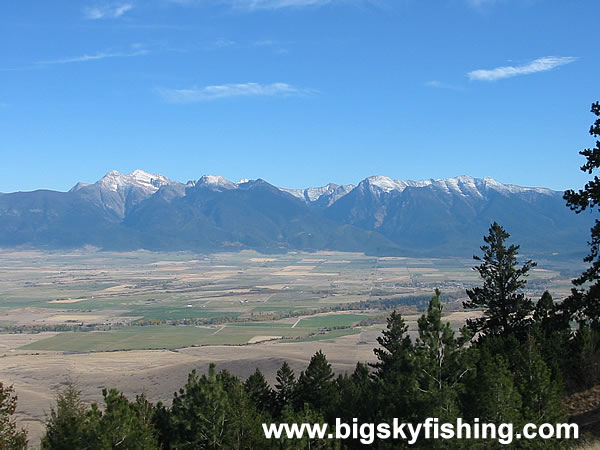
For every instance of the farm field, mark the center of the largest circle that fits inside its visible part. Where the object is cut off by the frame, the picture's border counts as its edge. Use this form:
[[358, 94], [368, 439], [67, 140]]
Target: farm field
[[141, 321], [145, 300], [173, 337]]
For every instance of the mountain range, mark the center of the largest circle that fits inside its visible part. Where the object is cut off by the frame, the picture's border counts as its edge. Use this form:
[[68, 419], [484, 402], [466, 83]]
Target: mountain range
[[378, 216]]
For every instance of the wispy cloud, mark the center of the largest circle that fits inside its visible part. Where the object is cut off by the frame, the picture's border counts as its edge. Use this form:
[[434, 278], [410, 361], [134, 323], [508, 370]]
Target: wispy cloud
[[252, 5], [112, 11], [93, 57], [277, 47], [207, 93], [441, 85], [487, 5], [222, 43], [219, 44], [537, 65], [481, 3], [264, 43], [277, 4]]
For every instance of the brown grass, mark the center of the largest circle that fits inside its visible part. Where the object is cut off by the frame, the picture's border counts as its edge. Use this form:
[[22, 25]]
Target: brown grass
[[37, 376]]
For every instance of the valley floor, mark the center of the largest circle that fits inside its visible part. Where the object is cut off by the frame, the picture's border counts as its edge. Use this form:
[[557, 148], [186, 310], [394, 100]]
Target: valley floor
[[141, 321]]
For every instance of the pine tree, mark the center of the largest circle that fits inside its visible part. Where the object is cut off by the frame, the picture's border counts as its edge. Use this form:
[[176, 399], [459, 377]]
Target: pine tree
[[545, 311], [164, 425], [144, 411], [315, 385], [552, 332], [395, 373], [583, 358], [584, 303], [284, 388], [66, 426], [306, 414], [493, 396], [356, 395], [10, 436], [441, 366], [362, 385], [540, 392], [243, 429], [507, 310], [259, 391], [199, 412], [119, 424], [396, 347]]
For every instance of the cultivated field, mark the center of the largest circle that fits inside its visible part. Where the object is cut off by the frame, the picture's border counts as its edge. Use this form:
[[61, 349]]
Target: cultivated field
[[141, 321]]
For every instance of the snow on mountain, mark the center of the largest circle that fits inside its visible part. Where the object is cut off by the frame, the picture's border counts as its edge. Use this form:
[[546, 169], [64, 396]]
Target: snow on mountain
[[326, 194], [380, 215], [330, 193], [115, 180], [216, 182], [116, 191], [464, 185], [380, 184]]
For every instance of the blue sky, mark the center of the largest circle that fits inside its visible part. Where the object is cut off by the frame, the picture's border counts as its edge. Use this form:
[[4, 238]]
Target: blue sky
[[298, 92]]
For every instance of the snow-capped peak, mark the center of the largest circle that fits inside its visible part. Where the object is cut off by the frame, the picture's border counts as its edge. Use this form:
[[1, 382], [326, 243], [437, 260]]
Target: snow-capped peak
[[215, 181], [382, 184], [462, 185], [332, 191], [115, 180], [495, 184]]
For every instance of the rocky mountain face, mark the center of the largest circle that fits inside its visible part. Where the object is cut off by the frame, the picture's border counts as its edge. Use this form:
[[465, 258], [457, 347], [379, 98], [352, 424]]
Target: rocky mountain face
[[321, 196], [451, 215], [378, 216], [117, 192]]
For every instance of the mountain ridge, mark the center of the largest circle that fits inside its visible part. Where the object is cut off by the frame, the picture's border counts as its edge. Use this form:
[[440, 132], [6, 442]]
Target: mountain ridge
[[141, 178], [378, 215]]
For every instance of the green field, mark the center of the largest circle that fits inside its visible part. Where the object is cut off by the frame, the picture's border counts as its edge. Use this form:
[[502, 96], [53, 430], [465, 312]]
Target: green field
[[272, 308], [166, 313], [334, 334], [128, 338], [258, 295], [263, 324], [173, 337], [331, 321]]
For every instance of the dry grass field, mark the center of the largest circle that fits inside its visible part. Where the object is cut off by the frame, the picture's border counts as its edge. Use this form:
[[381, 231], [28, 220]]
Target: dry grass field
[[37, 376]]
